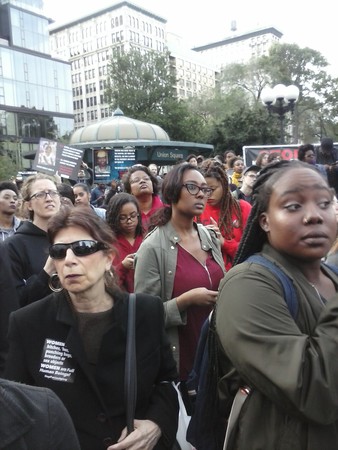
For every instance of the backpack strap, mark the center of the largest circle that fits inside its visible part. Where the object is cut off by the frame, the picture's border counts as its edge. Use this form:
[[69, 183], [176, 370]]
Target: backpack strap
[[332, 267], [290, 295]]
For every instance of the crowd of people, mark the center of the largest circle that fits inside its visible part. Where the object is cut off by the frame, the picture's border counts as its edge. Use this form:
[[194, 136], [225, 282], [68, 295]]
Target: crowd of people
[[71, 256]]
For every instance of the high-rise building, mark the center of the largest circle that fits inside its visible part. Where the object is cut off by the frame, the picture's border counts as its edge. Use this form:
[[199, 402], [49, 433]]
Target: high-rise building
[[35, 89], [239, 48], [88, 44], [194, 74]]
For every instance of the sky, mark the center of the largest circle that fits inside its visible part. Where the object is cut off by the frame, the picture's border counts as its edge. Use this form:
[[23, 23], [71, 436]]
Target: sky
[[307, 24]]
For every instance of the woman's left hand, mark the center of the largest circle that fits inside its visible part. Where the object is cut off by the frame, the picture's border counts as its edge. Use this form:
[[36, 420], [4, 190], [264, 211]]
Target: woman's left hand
[[144, 437], [213, 226]]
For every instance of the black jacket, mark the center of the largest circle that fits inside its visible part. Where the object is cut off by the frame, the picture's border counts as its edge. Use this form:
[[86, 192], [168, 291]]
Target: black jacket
[[28, 252], [34, 418], [8, 303], [46, 349]]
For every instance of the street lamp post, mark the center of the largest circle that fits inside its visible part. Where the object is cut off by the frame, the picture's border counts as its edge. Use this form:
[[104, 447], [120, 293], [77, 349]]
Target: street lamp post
[[280, 100]]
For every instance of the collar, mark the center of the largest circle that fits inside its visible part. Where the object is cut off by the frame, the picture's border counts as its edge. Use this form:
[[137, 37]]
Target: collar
[[203, 235]]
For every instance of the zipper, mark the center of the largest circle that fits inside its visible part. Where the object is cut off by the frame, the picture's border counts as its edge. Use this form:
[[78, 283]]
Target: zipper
[[207, 271]]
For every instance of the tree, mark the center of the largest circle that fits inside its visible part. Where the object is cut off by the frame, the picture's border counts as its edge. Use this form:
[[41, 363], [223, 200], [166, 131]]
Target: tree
[[143, 86], [7, 168], [140, 83]]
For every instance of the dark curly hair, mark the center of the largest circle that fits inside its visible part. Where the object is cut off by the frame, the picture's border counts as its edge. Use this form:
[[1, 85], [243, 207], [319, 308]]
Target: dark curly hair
[[114, 209], [303, 149], [144, 169]]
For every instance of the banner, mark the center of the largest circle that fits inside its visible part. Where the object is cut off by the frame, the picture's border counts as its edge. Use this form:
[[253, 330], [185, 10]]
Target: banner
[[287, 152], [55, 158]]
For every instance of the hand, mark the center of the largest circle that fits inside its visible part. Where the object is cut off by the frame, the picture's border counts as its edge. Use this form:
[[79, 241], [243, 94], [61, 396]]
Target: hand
[[197, 296], [144, 437], [128, 262], [214, 226], [49, 267]]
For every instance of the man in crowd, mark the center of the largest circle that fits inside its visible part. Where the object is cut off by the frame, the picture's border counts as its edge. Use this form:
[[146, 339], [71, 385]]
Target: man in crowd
[[327, 155], [8, 205], [98, 194], [249, 177], [154, 170]]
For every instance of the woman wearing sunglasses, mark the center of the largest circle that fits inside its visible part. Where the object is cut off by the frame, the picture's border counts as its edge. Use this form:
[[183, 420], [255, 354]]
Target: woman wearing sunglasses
[[124, 218], [28, 247], [74, 342], [141, 183], [181, 262]]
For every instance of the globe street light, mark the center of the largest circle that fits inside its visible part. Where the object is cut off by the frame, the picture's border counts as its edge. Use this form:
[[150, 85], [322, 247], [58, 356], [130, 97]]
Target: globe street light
[[280, 100]]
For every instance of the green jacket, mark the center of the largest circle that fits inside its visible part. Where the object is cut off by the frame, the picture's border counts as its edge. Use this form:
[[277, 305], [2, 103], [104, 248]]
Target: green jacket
[[292, 367], [155, 268]]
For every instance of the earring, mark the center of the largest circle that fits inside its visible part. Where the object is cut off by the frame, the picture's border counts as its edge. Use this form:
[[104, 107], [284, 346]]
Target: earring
[[54, 283]]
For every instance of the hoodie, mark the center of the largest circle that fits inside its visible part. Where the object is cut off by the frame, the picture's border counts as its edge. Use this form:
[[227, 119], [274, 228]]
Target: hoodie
[[28, 252]]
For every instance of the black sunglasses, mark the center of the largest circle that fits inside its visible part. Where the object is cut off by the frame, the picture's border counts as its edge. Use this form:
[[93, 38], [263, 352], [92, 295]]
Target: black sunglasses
[[79, 248]]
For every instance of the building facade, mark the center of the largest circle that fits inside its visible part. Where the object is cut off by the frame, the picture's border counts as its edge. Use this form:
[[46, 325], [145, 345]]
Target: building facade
[[35, 89], [240, 48], [89, 42], [194, 74]]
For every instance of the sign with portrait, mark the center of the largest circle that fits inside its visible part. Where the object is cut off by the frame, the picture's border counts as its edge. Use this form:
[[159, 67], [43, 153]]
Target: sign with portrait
[[55, 158]]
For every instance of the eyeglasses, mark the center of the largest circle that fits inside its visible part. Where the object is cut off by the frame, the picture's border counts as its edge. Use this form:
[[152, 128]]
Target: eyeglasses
[[79, 248], [137, 180], [193, 189], [124, 218], [43, 194]]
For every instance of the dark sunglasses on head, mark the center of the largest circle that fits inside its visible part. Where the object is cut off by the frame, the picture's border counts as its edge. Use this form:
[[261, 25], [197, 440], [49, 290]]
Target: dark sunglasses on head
[[79, 248]]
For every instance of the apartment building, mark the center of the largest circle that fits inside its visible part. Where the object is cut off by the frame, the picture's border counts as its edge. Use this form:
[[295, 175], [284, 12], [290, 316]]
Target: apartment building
[[88, 44], [35, 89], [194, 74], [239, 48]]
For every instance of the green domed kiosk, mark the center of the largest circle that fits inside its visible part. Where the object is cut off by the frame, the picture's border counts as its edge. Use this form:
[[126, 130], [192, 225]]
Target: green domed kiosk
[[118, 142]]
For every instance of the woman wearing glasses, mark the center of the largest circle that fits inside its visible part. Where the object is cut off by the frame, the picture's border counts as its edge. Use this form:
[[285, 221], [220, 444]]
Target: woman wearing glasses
[[74, 342], [141, 183], [181, 262], [124, 218], [28, 247]]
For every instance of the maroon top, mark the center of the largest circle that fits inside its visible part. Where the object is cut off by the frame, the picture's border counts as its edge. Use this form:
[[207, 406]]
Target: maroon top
[[190, 274], [157, 204], [124, 248]]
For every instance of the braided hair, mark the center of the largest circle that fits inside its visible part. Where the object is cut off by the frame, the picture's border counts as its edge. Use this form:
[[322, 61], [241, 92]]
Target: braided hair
[[229, 204], [254, 237]]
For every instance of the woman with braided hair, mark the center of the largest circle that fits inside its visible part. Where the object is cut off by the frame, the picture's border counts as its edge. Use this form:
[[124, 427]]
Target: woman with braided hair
[[286, 361], [223, 212]]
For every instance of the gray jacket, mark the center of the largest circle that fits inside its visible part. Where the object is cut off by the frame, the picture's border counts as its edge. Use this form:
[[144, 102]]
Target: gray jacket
[[34, 418], [155, 268]]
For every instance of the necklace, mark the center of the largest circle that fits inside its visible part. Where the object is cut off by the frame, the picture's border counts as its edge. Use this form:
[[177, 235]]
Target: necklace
[[318, 294]]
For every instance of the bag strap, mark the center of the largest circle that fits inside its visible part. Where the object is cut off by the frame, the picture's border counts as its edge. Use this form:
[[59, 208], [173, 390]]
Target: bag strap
[[290, 295], [130, 375]]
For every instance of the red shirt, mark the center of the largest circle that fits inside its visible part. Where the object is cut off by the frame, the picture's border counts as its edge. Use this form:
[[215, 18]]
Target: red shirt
[[190, 274], [124, 248], [157, 204], [230, 246]]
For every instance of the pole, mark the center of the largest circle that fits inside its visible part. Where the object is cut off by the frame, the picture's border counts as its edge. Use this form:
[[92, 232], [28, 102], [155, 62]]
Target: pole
[[281, 118]]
